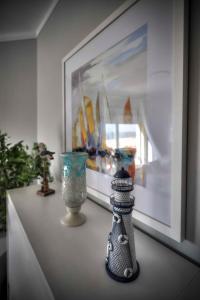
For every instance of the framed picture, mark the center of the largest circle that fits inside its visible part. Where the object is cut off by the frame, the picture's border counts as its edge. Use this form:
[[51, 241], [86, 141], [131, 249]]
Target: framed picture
[[124, 103]]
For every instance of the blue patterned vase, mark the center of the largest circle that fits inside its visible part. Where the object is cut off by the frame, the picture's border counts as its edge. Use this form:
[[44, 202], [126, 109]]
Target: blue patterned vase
[[73, 186]]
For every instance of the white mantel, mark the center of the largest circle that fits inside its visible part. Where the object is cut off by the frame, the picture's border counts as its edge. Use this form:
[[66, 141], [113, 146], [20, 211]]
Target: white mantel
[[50, 261]]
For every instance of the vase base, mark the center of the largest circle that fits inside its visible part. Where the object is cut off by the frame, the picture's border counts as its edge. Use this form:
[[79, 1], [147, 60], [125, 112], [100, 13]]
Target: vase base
[[123, 279], [73, 220]]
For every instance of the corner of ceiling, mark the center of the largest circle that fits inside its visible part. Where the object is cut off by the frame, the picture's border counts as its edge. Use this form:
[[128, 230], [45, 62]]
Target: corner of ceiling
[[33, 34], [46, 17]]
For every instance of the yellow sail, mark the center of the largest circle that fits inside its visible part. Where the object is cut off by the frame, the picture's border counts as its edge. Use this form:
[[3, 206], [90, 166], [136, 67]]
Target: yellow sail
[[91, 164], [74, 136], [89, 114], [128, 116], [82, 127], [104, 144]]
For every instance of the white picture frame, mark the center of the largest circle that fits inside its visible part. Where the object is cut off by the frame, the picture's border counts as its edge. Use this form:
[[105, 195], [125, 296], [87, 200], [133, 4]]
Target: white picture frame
[[88, 49]]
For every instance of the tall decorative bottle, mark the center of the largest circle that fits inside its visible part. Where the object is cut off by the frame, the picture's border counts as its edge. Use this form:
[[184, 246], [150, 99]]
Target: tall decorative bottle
[[74, 186], [121, 262]]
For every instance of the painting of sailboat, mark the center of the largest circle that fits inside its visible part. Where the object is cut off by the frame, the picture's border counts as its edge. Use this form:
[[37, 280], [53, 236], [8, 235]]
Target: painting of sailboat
[[121, 107], [107, 94]]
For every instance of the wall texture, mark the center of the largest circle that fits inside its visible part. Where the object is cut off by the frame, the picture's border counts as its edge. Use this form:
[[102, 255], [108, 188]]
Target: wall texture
[[71, 22], [18, 101]]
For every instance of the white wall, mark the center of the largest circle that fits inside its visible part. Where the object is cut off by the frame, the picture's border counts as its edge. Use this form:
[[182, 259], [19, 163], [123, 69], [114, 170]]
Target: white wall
[[18, 102], [70, 22]]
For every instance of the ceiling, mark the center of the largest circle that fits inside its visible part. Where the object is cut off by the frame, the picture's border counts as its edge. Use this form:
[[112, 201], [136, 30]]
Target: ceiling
[[23, 19]]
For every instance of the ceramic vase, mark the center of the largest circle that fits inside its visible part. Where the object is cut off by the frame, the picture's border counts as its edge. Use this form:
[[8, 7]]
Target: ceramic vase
[[73, 187]]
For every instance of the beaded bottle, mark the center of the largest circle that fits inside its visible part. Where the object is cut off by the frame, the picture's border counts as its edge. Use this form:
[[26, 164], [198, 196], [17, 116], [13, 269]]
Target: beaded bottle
[[121, 262]]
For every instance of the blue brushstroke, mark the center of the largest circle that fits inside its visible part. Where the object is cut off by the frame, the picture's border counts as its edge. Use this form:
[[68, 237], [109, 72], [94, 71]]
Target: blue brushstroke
[[122, 57], [142, 31]]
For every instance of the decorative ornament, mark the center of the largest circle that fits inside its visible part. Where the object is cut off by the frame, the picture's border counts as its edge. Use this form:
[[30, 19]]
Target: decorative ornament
[[121, 262], [45, 156]]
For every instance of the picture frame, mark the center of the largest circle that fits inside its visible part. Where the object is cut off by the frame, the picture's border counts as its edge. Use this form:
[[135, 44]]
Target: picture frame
[[165, 217]]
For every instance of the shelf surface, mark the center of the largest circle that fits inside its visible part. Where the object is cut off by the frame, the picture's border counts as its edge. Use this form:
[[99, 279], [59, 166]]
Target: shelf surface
[[73, 259]]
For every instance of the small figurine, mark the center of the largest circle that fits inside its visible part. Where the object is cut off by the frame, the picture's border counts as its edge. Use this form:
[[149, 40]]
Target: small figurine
[[45, 156], [121, 262]]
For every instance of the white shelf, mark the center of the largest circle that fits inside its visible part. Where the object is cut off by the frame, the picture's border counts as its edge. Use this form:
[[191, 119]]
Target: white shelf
[[68, 263]]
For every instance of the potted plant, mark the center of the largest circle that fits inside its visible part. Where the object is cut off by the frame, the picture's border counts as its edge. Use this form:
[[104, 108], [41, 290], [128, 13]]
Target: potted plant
[[18, 168]]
